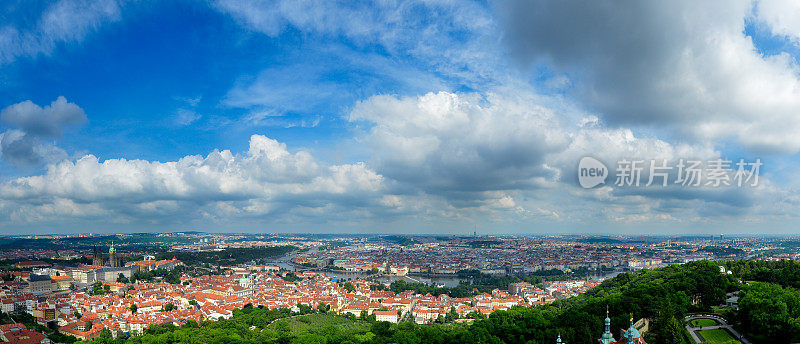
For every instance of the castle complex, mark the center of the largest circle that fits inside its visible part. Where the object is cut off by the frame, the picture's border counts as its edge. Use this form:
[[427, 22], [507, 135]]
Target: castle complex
[[110, 260]]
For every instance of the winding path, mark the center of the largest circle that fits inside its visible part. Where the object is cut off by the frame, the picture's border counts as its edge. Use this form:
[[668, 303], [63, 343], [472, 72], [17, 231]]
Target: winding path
[[721, 323]]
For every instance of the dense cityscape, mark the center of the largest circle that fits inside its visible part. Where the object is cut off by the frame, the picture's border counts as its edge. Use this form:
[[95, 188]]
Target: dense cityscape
[[86, 287]]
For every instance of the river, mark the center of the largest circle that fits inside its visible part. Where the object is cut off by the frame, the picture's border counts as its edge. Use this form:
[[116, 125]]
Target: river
[[284, 262]]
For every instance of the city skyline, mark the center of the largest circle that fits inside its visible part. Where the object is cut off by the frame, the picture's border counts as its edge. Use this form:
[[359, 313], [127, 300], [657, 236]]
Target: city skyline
[[410, 117]]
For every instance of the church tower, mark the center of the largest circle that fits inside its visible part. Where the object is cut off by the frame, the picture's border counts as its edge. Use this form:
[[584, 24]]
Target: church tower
[[607, 337], [632, 335], [112, 257], [97, 257]]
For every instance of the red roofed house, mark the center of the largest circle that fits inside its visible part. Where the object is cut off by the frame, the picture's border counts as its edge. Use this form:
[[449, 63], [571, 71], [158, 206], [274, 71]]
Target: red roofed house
[[61, 283], [390, 316], [78, 329], [18, 333]]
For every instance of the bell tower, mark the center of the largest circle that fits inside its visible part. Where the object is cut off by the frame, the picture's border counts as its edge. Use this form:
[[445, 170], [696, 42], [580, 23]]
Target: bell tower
[[113, 261]]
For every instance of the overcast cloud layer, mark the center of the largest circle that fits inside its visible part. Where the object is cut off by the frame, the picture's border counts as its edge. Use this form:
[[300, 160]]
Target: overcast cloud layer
[[436, 115]]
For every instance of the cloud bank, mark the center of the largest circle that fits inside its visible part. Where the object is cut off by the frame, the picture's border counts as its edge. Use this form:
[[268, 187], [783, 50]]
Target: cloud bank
[[27, 144], [680, 64]]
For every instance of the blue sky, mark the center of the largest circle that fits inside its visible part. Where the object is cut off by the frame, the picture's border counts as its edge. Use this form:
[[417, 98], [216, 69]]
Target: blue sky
[[394, 116], [139, 71]]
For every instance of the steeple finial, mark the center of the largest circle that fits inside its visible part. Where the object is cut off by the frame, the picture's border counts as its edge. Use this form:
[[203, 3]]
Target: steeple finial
[[632, 332], [607, 337]]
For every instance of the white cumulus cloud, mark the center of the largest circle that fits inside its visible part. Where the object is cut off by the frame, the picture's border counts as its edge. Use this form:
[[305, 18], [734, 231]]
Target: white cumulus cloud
[[28, 144], [266, 179]]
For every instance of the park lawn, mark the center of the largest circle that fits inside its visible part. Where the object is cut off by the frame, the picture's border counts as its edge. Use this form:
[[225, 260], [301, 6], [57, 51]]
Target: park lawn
[[718, 336], [703, 322], [322, 323]]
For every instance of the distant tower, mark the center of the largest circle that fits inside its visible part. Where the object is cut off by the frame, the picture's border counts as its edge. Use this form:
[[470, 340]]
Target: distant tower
[[112, 257], [97, 256], [113, 260], [558, 340]]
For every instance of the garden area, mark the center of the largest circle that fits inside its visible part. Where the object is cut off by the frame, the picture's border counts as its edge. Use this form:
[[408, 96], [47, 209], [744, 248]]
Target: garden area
[[703, 322], [718, 336]]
